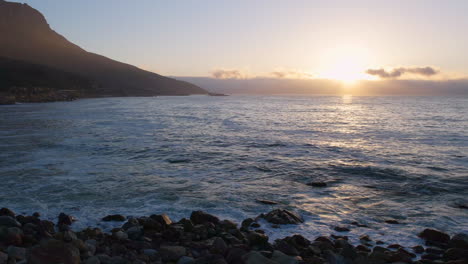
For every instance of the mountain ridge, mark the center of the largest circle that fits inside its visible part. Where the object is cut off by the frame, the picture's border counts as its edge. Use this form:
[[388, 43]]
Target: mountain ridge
[[31, 39]]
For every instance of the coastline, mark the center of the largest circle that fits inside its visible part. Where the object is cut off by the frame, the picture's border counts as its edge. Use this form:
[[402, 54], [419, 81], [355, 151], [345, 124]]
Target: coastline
[[204, 238]]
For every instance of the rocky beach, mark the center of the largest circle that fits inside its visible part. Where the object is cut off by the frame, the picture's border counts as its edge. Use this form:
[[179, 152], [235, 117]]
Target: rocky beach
[[205, 238]]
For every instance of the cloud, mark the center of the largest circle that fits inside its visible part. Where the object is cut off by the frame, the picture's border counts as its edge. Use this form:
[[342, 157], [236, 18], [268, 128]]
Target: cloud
[[398, 72], [227, 74], [291, 74]]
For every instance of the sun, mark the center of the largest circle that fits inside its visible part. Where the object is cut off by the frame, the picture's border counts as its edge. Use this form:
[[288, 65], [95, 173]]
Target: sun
[[345, 64]]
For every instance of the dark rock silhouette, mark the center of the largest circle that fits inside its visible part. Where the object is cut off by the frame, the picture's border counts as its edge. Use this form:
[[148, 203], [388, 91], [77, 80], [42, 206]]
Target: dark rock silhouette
[[22, 81], [25, 35]]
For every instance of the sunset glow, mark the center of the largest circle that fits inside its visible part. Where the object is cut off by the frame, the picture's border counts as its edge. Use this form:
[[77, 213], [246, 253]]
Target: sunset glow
[[346, 64]]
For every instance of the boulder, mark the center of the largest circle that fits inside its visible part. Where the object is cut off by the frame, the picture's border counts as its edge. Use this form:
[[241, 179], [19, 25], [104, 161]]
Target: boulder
[[14, 236], [459, 241], [418, 249], [319, 184], [219, 246], [162, 219], [93, 260], [246, 223], [266, 202], [9, 221], [135, 232], [64, 219], [3, 258], [228, 224], [6, 212], [341, 228], [255, 257], [283, 217], [53, 251], [434, 236], [334, 258], [235, 255], [200, 217], [130, 223], [150, 252], [115, 218], [285, 247], [120, 235], [172, 253], [257, 239], [186, 260], [17, 253], [281, 258], [456, 254]]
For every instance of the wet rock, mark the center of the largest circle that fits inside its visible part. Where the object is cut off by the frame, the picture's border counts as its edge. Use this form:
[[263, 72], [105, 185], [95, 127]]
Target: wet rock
[[114, 218], [281, 258], [7, 212], [64, 219], [17, 253], [298, 241], [246, 223], [319, 184], [418, 249], [283, 217], [200, 217], [456, 254], [401, 255], [334, 258], [394, 246], [150, 252], [436, 251], [431, 257], [365, 238], [459, 241], [362, 248], [257, 239], [219, 246], [235, 255], [358, 224], [130, 223], [434, 235], [120, 235], [227, 224], [53, 251], [3, 258], [9, 221], [14, 236], [187, 224], [93, 260], [163, 219], [172, 253], [135, 232], [186, 260], [341, 229], [266, 202], [286, 248], [255, 257]]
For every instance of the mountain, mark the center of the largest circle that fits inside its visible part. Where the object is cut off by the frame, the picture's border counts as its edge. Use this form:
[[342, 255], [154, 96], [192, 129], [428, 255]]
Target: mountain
[[25, 35], [28, 82]]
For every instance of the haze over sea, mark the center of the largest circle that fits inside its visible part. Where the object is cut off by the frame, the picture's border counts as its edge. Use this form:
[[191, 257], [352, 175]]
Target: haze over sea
[[383, 158]]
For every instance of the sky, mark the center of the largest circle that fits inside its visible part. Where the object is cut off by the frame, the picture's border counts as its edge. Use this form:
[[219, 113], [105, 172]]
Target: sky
[[249, 38]]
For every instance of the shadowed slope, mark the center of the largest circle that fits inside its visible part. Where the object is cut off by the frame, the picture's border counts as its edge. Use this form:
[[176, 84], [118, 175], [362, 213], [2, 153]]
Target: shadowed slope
[[25, 35]]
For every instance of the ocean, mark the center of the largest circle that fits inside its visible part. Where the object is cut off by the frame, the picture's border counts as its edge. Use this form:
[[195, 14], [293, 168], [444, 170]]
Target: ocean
[[383, 158]]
